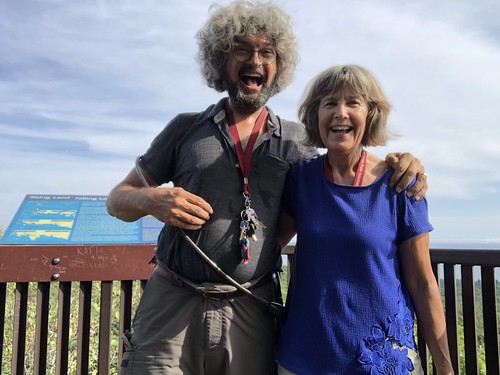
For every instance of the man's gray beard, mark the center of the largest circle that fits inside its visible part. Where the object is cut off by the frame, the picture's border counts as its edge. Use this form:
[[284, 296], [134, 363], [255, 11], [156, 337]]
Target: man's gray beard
[[249, 103]]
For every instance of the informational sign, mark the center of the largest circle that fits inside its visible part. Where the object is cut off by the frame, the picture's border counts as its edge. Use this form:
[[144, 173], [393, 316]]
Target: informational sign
[[75, 219]]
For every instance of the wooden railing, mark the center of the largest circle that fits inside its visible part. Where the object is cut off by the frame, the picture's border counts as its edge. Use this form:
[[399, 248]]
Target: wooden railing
[[51, 324]]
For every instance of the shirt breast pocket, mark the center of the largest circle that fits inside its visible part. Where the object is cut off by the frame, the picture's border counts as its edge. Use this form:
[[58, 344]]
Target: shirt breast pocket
[[271, 174]]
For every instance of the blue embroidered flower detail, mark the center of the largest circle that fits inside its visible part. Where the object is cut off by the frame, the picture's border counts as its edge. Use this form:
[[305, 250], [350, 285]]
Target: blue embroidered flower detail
[[387, 360], [401, 324], [385, 350], [401, 327], [377, 340]]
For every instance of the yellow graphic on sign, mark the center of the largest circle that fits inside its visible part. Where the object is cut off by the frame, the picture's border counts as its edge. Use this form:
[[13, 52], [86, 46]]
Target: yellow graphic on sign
[[35, 234], [67, 213], [58, 223]]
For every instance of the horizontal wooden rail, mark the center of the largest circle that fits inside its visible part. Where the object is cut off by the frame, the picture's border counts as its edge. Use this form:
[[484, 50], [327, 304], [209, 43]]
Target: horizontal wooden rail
[[65, 307], [37, 263]]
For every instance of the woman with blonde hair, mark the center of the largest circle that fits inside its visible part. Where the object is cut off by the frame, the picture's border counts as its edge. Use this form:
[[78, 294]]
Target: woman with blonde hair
[[362, 266]]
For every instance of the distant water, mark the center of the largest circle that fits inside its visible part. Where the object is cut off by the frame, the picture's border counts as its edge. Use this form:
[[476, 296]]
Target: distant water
[[460, 244], [493, 244]]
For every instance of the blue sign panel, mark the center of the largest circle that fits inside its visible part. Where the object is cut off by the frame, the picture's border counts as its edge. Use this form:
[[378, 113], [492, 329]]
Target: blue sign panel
[[75, 219]]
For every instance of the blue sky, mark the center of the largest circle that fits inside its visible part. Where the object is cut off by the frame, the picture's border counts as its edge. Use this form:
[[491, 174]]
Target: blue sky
[[86, 85]]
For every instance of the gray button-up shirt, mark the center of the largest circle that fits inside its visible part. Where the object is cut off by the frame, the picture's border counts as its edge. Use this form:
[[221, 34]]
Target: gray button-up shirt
[[196, 152]]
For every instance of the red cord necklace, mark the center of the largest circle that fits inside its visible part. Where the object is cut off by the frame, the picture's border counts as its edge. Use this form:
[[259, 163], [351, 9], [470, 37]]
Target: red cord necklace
[[360, 171], [249, 223]]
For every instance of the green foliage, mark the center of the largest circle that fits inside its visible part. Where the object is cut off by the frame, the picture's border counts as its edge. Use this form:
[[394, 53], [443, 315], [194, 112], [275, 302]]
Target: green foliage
[[284, 283], [5, 367]]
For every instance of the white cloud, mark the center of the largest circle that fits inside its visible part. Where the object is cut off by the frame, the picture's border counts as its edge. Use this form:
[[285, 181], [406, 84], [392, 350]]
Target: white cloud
[[87, 86]]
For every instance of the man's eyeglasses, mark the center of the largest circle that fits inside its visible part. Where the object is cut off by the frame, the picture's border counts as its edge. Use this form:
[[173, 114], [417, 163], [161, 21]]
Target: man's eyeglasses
[[266, 55]]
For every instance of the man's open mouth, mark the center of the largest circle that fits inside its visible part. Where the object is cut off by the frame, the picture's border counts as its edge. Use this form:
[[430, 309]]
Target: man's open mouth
[[252, 80]]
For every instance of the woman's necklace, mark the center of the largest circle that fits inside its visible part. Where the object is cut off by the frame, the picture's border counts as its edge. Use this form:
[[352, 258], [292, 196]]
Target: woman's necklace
[[360, 171]]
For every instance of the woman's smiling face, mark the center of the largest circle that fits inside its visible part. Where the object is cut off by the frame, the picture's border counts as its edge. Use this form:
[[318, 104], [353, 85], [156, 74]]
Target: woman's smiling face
[[342, 120]]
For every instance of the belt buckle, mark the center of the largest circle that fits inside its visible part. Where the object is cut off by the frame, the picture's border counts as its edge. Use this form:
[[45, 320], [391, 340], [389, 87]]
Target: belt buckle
[[214, 296], [219, 296]]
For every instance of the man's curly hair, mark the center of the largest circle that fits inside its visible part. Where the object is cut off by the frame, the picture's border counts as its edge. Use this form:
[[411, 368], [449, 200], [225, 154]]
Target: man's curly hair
[[242, 19]]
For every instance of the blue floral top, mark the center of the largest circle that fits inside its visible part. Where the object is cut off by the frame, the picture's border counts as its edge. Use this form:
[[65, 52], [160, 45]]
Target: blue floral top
[[348, 309]]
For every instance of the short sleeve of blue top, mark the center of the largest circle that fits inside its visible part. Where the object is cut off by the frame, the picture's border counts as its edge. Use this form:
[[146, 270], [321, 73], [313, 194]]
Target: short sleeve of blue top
[[348, 309]]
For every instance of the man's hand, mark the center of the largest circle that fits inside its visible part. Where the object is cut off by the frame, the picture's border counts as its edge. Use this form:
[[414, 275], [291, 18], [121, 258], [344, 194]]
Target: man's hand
[[406, 167], [178, 207], [130, 200]]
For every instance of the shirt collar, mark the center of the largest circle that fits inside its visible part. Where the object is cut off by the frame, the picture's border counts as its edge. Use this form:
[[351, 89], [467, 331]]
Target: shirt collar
[[219, 114]]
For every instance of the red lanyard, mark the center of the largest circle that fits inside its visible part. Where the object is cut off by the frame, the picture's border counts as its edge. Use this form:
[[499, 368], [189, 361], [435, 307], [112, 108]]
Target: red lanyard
[[360, 171], [245, 157]]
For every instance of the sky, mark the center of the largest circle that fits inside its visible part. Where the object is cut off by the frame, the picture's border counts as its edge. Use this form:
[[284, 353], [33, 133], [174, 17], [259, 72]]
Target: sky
[[86, 85]]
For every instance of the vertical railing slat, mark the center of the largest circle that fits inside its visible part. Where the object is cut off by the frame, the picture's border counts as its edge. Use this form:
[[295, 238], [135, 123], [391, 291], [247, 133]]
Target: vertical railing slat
[[451, 315], [3, 301], [63, 323], [105, 327], [469, 320], [84, 316], [125, 312], [19, 337], [490, 320], [42, 327]]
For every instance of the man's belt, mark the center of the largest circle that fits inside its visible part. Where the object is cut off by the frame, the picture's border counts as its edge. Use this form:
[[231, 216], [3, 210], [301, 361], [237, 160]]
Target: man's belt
[[165, 273]]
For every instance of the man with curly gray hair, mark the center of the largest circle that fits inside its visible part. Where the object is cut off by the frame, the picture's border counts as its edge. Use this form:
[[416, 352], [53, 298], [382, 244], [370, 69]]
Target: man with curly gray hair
[[238, 20], [228, 165]]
